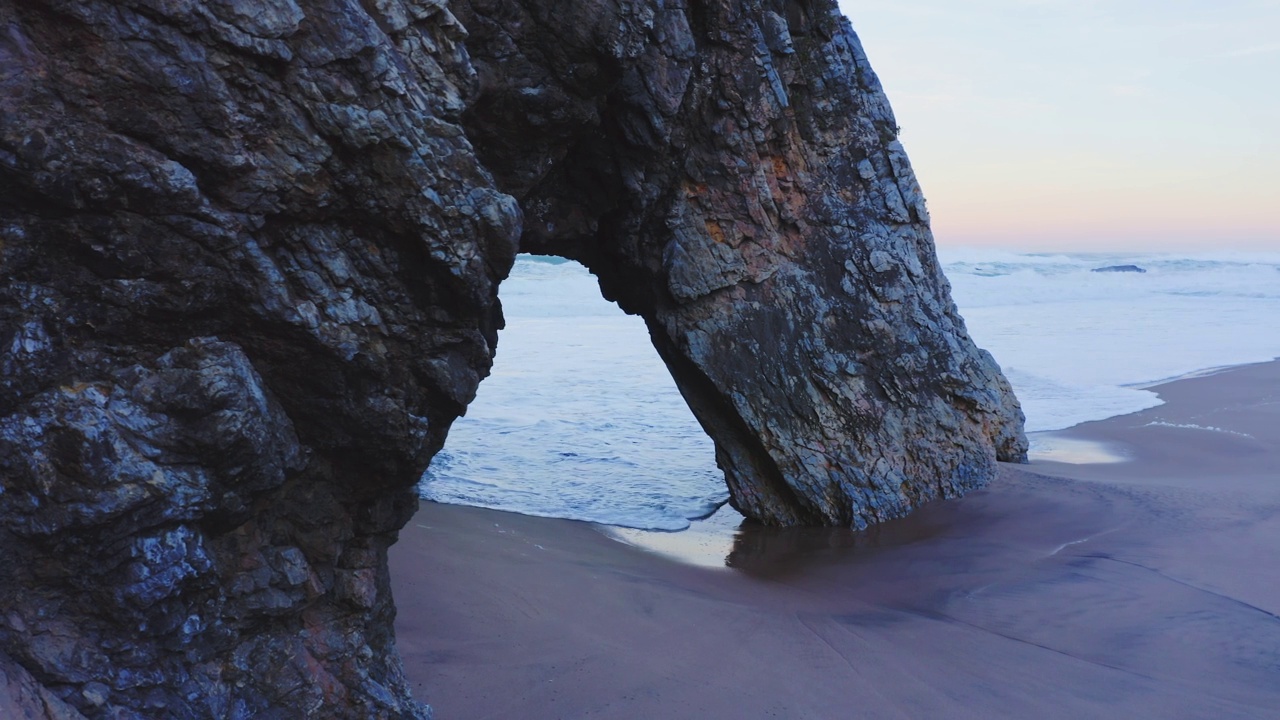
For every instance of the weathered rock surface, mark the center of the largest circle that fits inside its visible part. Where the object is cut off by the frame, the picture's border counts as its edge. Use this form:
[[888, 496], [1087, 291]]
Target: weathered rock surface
[[249, 254], [22, 697], [249, 270], [731, 172]]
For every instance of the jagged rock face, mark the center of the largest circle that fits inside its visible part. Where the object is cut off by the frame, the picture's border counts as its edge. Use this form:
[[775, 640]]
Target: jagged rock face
[[730, 171], [249, 275], [249, 266]]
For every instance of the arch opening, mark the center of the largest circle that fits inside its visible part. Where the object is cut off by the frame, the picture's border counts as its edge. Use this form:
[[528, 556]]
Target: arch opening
[[580, 418]]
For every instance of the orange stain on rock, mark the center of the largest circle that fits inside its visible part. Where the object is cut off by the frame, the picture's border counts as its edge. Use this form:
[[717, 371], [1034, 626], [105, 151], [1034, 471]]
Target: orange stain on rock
[[715, 231]]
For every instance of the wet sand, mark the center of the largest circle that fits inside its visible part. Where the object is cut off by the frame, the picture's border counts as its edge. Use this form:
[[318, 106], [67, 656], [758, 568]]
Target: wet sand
[[1148, 588]]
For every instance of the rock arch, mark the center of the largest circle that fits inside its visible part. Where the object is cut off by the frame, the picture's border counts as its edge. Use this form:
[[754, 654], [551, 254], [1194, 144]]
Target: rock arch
[[250, 254], [735, 178]]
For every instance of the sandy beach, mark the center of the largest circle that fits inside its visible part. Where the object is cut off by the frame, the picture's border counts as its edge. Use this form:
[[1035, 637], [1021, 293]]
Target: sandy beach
[[1147, 588]]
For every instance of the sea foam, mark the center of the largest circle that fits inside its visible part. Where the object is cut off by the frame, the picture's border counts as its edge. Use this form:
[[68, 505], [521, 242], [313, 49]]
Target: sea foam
[[581, 420], [1079, 345]]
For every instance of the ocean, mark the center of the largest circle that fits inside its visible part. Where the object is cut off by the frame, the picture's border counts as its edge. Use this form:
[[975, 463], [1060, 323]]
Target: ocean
[[581, 420]]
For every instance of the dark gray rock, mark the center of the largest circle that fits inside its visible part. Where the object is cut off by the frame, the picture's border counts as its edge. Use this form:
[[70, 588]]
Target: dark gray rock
[[22, 697], [1120, 269], [731, 172], [250, 255], [249, 279]]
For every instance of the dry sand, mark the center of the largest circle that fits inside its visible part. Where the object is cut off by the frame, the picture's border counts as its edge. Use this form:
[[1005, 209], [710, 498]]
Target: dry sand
[[1143, 589]]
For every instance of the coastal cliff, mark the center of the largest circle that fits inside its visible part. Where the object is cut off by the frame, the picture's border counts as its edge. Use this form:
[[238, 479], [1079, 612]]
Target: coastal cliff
[[250, 255]]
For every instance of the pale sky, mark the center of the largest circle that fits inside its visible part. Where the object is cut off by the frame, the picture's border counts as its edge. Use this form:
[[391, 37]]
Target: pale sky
[[1087, 124]]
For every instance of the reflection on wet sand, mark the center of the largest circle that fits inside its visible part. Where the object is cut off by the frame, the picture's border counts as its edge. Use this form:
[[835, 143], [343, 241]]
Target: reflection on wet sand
[[727, 539], [1143, 589], [768, 552], [1059, 447]]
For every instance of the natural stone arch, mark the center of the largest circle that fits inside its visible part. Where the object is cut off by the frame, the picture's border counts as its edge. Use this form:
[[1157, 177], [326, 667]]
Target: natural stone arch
[[250, 267], [735, 179]]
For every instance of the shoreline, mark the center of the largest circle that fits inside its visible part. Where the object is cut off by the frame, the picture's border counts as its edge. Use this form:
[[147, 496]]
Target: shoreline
[[1129, 589], [709, 540]]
